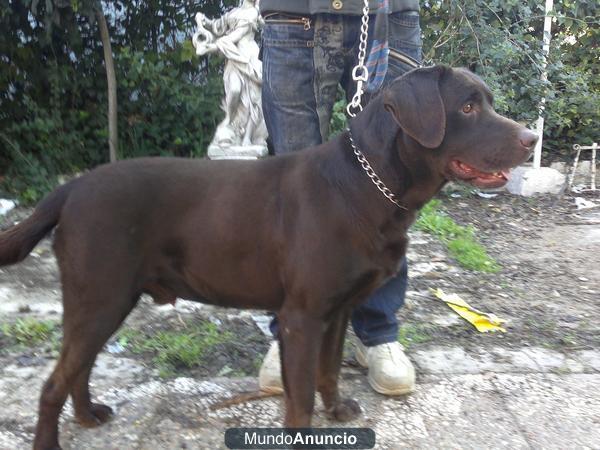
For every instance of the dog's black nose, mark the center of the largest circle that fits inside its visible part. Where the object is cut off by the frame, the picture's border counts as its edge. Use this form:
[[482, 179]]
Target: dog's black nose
[[528, 138]]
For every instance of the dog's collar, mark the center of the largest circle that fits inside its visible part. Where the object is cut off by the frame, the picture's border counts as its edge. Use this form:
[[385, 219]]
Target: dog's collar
[[360, 156]]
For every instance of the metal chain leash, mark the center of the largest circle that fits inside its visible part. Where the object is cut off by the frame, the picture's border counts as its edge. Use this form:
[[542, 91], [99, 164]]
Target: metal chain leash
[[372, 175], [360, 73]]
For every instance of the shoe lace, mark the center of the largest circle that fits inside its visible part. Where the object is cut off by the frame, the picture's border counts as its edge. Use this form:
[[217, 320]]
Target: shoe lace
[[387, 350]]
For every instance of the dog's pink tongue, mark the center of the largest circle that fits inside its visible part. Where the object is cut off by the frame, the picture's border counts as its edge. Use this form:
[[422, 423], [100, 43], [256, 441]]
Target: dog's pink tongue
[[474, 172]]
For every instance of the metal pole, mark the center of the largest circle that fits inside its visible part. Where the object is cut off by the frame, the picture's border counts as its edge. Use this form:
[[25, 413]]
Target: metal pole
[[537, 153], [594, 148], [578, 148]]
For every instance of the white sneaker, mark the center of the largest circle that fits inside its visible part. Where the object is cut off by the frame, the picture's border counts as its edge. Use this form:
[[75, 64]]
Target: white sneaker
[[269, 376], [390, 370]]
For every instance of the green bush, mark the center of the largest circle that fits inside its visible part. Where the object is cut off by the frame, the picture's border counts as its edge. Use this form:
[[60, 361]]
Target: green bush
[[53, 98], [162, 113], [53, 84], [501, 41]]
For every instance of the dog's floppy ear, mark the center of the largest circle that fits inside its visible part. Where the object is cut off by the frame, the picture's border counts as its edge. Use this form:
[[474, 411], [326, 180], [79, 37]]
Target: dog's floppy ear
[[415, 102]]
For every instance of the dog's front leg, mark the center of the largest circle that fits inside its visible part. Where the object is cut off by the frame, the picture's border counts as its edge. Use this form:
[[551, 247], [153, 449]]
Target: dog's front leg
[[330, 361], [300, 337]]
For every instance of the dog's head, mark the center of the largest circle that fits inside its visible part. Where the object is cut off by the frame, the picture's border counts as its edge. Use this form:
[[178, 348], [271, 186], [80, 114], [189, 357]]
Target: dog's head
[[449, 113]]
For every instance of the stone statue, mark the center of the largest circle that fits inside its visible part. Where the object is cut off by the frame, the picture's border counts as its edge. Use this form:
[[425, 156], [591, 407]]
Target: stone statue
[[242, 134]]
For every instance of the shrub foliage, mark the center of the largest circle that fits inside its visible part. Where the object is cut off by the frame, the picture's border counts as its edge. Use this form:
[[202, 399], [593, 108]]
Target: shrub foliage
[[53, 83]]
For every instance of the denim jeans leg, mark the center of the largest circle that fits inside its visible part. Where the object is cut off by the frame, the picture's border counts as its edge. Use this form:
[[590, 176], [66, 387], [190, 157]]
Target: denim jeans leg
[[375, 321], [301, 72], [329, 63], [288, 96]]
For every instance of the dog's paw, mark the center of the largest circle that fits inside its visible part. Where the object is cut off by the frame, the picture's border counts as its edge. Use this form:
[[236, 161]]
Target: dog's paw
[[95, 416], [50, 447], [345, 410], [39, 444]]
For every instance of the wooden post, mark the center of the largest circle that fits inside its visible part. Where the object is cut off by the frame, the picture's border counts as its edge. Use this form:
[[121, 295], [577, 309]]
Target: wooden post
[[113, 138]]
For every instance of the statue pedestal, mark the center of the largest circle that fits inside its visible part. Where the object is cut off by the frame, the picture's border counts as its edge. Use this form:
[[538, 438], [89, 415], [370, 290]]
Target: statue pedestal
[[237, 152]]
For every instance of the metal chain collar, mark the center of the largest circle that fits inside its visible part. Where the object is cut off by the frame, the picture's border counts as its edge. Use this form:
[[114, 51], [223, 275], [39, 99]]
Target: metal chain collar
[[360, 73], [372, 175]]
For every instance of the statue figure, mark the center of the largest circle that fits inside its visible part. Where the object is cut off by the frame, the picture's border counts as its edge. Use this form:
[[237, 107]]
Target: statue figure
[[242, 134]]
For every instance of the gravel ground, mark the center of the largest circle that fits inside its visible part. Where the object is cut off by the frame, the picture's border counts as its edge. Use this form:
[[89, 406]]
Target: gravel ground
[[547, 289]]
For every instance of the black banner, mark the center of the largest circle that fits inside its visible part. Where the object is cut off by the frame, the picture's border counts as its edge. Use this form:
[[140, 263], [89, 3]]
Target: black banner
[[299, 438]]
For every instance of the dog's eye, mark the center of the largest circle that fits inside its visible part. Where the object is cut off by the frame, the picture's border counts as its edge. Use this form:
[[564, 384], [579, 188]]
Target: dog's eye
[[467, 108]]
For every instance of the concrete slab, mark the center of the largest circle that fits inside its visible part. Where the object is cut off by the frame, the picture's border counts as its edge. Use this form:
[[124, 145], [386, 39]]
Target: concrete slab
[[460, 410], [456, 360], [554, 411]]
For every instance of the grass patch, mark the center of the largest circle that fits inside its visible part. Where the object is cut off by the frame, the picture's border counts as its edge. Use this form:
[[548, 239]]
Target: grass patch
[[472, 255], [459, 240], [410, 334], [31, 332], [176, 349]]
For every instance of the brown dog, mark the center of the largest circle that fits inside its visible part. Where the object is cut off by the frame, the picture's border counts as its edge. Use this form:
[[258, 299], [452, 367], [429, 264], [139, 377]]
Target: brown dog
[[307, 235]]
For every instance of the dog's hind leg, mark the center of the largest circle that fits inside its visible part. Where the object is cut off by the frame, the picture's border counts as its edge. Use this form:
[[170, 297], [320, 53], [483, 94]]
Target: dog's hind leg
[[87, 413], [90, 318], [330, 361]]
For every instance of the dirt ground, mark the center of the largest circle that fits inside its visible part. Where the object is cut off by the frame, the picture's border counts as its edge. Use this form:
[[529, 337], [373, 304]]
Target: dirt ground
[[548, 290], [549, 285]]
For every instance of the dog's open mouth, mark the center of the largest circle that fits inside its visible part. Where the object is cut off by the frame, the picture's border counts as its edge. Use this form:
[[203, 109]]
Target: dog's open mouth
[[478, 178]]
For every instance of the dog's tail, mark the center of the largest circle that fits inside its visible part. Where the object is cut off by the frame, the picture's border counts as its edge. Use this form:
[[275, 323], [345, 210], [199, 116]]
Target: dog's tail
[[18, 241]]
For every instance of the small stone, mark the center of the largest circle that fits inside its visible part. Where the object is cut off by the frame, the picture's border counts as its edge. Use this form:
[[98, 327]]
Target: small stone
[[527, 181]]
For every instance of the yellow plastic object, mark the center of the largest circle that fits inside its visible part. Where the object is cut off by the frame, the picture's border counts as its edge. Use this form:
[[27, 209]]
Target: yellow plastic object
[[484, 322]]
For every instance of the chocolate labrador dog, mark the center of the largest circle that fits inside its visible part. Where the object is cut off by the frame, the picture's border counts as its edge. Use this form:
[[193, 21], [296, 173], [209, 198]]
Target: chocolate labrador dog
[[307, 235]]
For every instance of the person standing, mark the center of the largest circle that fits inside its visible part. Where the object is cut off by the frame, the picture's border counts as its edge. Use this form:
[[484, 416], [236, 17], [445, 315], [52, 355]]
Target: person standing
[[308, 49]]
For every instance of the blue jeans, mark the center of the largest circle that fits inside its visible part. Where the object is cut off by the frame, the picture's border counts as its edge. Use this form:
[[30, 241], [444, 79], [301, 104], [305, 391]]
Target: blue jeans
[[302, 69]]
